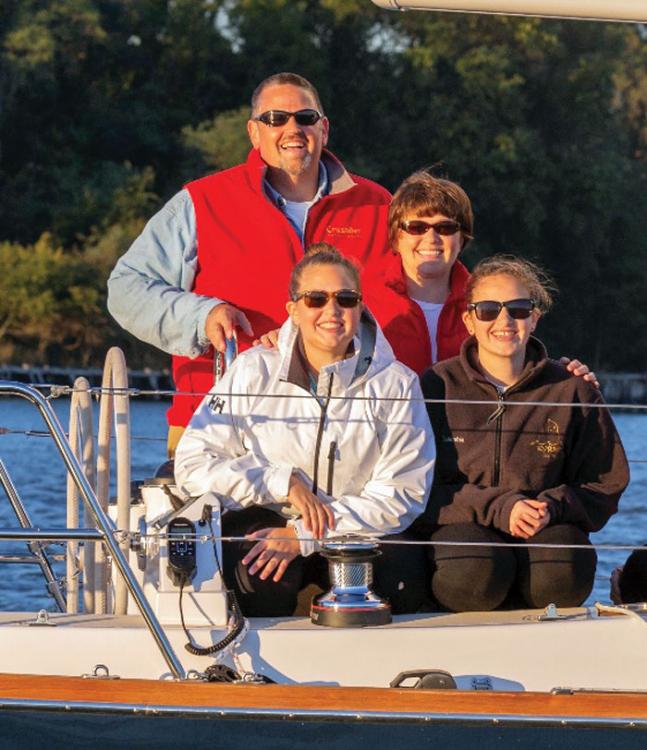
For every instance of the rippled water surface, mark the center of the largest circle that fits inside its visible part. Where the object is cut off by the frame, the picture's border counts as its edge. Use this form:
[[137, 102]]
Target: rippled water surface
[[38, 474]]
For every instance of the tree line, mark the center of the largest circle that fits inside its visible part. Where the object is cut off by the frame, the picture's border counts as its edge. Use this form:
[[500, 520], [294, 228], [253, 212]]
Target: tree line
[[108, 106]]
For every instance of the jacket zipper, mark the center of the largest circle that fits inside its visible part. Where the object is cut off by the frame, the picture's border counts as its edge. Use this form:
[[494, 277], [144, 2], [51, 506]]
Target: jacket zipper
[[322, 420], [497, 415], [331, 466]]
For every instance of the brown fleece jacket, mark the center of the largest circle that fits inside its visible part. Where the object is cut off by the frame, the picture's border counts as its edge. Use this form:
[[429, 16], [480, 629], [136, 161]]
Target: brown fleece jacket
[[491, 455]]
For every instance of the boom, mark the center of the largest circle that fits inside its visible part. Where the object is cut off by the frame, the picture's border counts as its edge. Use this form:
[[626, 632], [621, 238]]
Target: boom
[[600, 10]]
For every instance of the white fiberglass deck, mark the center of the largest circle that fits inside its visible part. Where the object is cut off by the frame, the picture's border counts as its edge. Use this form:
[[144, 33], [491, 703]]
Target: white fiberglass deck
[[513, 649]]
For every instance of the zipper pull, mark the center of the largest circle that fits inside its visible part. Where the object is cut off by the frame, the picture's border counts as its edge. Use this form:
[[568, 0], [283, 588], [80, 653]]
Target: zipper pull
[[332, 453], [498, 411]]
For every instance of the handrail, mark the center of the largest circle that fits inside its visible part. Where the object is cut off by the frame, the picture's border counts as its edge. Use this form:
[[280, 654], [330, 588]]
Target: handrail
[[82, 443], [99, 517], [51, 535], [115, 402], [35, 549]]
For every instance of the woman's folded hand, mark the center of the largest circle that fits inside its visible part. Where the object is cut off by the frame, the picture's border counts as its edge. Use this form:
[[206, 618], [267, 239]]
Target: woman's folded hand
[[528, 517]]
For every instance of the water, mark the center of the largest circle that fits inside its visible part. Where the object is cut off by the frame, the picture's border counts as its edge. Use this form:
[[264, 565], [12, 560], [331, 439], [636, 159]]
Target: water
[[39, 476]]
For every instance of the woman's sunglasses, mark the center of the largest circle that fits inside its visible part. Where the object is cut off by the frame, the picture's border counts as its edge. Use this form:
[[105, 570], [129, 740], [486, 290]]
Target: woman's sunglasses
[[488, 310], [345, 298], [418, 227], [278, 117]]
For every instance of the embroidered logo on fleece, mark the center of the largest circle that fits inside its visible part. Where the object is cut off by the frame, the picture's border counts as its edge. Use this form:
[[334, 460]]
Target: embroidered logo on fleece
[[350, 232], [553, 445], [216, 404]]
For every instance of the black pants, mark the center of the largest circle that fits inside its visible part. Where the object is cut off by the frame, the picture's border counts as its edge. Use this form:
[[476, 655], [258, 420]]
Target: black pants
[[485, 578], [400, 573]]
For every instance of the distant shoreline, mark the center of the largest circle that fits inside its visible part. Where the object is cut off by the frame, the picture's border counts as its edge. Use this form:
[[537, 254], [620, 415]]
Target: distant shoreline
[[146, 379]]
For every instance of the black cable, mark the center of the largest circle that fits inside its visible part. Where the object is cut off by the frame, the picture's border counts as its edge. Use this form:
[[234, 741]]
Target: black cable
[[239, 624], [232, 601]]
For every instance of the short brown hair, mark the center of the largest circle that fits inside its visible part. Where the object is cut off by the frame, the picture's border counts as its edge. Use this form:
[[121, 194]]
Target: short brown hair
[[422, 194], [540, 285], [285, 79], [322, 254]]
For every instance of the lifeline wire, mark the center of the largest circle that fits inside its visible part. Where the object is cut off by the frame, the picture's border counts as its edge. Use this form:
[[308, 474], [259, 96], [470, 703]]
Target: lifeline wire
[[403, 542], [66, 390]]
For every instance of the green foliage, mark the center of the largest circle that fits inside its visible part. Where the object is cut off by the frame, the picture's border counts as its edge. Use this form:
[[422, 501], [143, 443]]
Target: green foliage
[[107, 106], [222, 142], [47, 297]]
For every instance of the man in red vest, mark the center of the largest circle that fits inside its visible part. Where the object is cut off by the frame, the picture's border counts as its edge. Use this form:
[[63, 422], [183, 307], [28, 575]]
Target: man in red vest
[[217, 258]]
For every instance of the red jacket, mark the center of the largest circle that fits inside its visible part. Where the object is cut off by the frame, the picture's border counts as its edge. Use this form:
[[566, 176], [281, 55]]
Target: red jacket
[[247, 249], [403, 321]]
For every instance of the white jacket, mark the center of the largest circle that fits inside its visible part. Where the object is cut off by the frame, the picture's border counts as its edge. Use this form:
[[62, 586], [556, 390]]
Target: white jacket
[[261, 423]]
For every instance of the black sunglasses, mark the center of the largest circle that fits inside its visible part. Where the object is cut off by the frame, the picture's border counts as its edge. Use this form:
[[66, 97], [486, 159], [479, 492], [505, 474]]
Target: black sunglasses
[[488, 310], [345, 298], [418, 227], [277, 117]]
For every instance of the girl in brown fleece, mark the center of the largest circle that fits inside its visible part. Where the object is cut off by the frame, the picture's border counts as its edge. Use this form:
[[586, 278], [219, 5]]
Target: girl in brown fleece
[[511, 472]]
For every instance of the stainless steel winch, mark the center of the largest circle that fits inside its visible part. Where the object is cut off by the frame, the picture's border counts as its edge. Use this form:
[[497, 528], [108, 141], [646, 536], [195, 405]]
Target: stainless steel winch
[[350, 601]]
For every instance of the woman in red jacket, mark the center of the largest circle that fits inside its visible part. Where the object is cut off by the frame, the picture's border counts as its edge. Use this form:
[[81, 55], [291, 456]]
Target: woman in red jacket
[[420, 296]]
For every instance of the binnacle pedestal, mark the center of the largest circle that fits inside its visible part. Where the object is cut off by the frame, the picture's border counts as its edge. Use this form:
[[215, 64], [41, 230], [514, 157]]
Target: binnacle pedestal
[[350, 601]]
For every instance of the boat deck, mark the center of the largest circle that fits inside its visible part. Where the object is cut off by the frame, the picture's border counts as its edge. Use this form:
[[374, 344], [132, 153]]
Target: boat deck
[[516, 651]]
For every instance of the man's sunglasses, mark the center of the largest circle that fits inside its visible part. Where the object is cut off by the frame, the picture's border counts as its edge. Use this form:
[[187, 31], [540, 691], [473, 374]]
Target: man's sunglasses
[[418, 227], [345, 298], [275, 118], [489, 310]]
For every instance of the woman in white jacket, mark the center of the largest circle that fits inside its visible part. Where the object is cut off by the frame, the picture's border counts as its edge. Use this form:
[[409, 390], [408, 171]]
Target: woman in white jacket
[[326, 435]]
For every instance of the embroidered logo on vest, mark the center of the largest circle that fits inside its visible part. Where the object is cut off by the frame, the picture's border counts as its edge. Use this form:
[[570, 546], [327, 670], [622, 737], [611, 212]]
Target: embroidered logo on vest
[[351, 232], [551, 447]]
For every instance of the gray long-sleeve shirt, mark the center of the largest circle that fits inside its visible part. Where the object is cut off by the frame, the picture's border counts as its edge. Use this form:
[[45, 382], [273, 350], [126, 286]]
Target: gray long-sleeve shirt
[[149, 290]]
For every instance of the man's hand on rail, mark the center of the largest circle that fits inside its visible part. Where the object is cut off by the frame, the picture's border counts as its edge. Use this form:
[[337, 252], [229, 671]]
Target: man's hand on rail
[[528, 517], [221, 324], [316, 515], [580, 370], [273, 552]]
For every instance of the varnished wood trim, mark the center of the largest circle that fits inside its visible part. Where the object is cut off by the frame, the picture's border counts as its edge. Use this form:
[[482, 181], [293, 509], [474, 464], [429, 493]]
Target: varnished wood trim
[[286, 697]]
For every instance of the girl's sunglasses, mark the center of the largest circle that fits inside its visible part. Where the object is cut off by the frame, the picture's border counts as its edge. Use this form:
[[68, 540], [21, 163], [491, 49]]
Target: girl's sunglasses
[[488, 310], [418, 227], [345, 298], [275, 118]]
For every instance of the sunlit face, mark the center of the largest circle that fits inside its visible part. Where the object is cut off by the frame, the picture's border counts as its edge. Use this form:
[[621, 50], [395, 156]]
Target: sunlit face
[[504, 337], [326, 331], [430, 255], [294, 148]]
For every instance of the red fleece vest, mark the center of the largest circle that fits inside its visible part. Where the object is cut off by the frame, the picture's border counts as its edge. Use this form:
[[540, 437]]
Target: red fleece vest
[[247, 249], [403, 321]]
